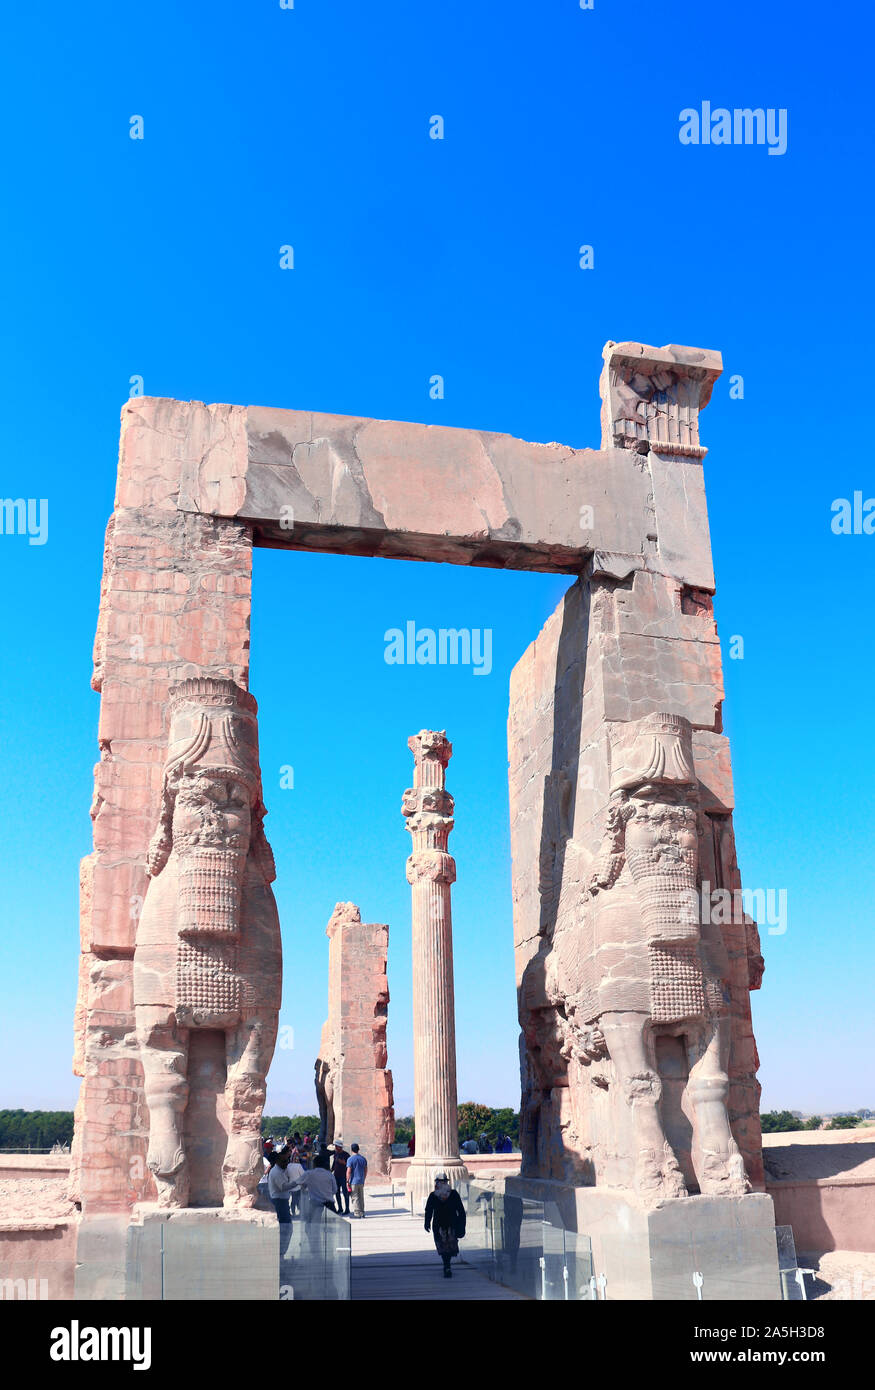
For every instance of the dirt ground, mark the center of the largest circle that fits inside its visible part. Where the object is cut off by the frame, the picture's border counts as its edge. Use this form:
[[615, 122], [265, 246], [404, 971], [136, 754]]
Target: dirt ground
[[841, 1275]]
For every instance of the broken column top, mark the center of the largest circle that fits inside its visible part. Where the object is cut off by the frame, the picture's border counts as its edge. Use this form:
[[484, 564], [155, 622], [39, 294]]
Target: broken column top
[[431, 751], [343, 913], [651, 397]]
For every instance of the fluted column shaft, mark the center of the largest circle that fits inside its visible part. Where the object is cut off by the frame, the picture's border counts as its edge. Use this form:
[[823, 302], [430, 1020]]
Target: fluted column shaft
[[434, 1033], [431, 871]]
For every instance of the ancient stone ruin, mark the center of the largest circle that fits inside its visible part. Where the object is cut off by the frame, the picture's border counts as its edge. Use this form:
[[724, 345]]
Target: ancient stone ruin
[[638, 1058], [431, 871], [353, 1085], [208, 957]]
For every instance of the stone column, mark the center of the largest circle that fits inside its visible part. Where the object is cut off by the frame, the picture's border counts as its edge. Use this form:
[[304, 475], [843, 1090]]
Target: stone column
[[431, 871]]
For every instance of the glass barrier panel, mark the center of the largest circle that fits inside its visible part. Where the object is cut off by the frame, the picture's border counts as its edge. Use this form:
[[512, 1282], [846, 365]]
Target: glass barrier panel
[[792, 1283], [315, 1264]]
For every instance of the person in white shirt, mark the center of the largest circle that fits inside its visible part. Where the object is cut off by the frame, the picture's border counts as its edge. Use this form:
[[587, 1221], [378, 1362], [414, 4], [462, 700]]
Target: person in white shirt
[[319, 1184], [283, 1178], [320, 1187]]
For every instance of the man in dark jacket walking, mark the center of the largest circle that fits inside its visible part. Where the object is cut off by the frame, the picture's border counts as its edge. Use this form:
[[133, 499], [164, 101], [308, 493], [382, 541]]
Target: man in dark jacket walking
[[445, 1217]]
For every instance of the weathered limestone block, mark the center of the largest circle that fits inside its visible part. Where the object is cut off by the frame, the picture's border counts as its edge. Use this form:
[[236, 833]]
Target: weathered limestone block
[[174, 603], [353, 1086], [303, 480], [637, 1054]]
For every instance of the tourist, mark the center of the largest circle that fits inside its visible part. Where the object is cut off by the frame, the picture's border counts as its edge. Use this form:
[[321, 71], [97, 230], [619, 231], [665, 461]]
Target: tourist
[[445, 1217], [484, 1145], [411, 1146], [338, 1168], [356, 1175], [319, 1184], [470, 1146], [282, 1178]]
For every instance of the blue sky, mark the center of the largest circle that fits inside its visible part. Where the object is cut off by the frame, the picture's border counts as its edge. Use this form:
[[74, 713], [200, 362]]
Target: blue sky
[[160, 258]]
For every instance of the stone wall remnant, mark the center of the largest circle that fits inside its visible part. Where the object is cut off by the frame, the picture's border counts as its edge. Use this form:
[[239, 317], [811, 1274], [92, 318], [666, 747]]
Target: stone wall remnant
[[353, 1084]]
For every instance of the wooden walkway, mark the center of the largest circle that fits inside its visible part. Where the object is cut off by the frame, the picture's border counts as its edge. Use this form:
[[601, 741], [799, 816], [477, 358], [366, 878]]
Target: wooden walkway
[[394, 1258]]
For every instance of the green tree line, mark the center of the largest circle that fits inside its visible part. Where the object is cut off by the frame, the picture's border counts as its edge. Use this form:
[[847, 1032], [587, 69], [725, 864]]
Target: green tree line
[[782, 1121], [35, 1129], [474, 1120], [280, 1125]]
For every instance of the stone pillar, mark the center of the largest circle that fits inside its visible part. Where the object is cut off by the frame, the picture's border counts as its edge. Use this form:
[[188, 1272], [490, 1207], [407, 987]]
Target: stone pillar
[[174, 603], [431, 871], [640, 1101], [353, 1086]]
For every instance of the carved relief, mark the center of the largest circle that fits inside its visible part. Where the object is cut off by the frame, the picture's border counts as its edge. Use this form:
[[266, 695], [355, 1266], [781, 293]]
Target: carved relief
[[629, 962], [208, 952], [653, 402]]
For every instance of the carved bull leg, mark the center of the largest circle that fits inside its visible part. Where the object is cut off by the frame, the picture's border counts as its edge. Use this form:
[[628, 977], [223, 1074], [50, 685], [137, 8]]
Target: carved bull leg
[[657, 1173], [164, 1054], [708, 1087], [248, 1051]]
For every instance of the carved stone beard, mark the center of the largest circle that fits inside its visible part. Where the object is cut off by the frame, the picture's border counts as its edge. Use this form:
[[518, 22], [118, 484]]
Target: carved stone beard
[[210, 891], [662, 854], [212, 868]]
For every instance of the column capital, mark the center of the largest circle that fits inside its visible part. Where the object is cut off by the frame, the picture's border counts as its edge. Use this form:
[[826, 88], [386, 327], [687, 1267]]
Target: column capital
[[651, 397]]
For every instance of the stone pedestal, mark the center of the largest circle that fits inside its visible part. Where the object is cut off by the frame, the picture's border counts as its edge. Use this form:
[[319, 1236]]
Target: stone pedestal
[[648, 1253], [431, 871]]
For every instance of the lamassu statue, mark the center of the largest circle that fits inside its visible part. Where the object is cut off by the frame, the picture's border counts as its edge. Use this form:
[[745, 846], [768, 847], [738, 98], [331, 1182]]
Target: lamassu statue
[[630, 993], [208, 952]]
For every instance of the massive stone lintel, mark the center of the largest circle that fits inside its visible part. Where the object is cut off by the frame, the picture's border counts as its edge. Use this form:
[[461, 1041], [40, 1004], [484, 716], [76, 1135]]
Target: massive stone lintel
[[308, 481], [353, 1086]]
